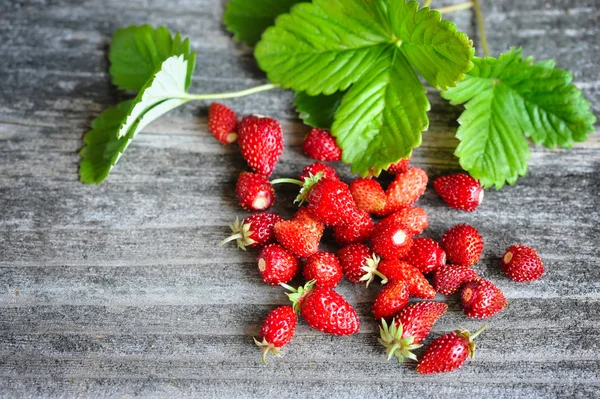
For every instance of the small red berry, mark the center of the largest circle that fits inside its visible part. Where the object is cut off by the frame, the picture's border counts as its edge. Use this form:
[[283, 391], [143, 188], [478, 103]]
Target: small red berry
[[400, 166], [405, 190], [460, 191], [418, 285], [255, 231], [297, 238], [331, 202], [321, 145], [305, 218], [254, 192], [368, 195], [391, 240], [277, 330], [481, 299], [359, 263], [448, 352], [261, 143], [222, 123], [359, 230], [277, 265], [414, 219], [449, 278], [426, 255], [311, 170], [392, 298], [522, 263], [463, 245], [324, 268]]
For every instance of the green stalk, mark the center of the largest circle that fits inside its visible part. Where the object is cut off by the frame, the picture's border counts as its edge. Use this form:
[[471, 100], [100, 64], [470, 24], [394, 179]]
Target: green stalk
[[455, 7], [427, 3], [479, 14], [235, 94]]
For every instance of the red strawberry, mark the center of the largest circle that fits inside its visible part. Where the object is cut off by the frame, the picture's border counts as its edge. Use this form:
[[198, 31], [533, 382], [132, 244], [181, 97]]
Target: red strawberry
[[460, 191], [448, 352], [414, 219], [324, 268], [418, 285], [405, 190], [304, 217], [481, 299], [255, 231], [426, 255], [277, 265], [331, 202], [522, 263], [358, 231], [222, 123], [324, 309], [409, 328], [449, 278], [277, 330], [359, 263], [400, 166], [391, 240], [261, 143], [297, 238], [254, 192], [463, 245], [392, 298], [368, 195], [312, 170], [321, 145]]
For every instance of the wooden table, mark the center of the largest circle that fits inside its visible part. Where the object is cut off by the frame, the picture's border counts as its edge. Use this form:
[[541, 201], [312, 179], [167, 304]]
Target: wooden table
[[121, 290]]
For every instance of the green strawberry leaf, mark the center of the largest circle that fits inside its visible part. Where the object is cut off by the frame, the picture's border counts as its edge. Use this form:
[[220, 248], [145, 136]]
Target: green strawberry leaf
[[381, 118], [137, 51], [328, 45], [247, 20], [511, 98], [115, 128], [318, 111]]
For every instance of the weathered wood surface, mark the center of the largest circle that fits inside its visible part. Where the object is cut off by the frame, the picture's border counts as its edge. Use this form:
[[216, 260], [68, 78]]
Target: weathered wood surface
[[121, 290]]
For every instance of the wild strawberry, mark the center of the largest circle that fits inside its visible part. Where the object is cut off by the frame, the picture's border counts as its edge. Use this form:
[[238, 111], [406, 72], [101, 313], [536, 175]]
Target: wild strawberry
[[297, 238], [449, 278], [324, 268], [277, 330], [405, 190], [222, 123], [400, 166], [460, 191], [277, 265], [305, 218], [391, 240], [414, 219], [254, 192], [321, 145], [255, 231], [522, 263], [448, 352], [426, 255], [392, 298], [481, 299], [324, 309], [331, 202], [368, 195], [409, 328], [359, 263], [418, 285], [358, 231], [463, 245], [312, 170], [261, 143]]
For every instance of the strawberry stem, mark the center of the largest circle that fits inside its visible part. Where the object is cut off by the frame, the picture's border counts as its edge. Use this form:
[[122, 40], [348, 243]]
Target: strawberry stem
[[286, 180], [478, 332], [479, 14], [231, 238], [455, 7], [234, 94]]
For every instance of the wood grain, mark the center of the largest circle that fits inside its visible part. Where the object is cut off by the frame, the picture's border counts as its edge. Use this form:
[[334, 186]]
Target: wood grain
[[121, 290]]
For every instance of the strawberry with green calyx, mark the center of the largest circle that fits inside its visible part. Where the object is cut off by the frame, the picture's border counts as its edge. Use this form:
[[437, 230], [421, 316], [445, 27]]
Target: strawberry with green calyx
[[254, 191], [297, 237], [409, 328], [448, 352], [360, 264], [313, 169], [391, 240], [255, 231], [392, 298], [277, 265], [261, 143], [222, 123], [426, 255], [463, 245], [277, 330], [306, 185], [324, 268], [324, 309], [359, 230], [417, 284], [460, 191], [482, 299], [321, 145], [368, 195]]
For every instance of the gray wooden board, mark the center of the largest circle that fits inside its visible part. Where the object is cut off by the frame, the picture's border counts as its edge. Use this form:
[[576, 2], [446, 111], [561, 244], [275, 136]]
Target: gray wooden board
[[121, 290]]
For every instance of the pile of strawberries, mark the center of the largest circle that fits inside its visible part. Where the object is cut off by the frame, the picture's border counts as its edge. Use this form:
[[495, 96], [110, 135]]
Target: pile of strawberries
[[388, 251]]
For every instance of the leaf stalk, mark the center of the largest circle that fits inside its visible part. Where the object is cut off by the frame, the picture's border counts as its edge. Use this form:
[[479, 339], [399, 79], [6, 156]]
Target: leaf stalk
[[479, 14], [235, 94]]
